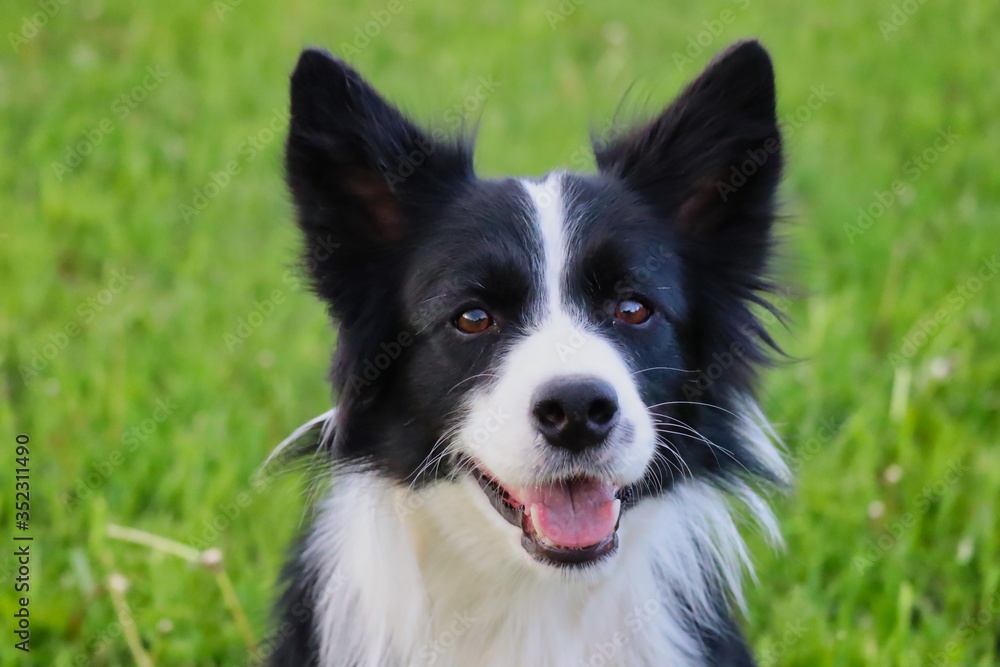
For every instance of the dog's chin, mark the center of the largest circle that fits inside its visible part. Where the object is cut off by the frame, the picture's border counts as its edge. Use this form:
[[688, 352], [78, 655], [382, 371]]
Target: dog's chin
[[570, 524]]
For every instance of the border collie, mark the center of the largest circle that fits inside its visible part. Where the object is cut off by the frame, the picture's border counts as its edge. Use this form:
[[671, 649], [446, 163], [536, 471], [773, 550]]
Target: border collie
[[546, 439]]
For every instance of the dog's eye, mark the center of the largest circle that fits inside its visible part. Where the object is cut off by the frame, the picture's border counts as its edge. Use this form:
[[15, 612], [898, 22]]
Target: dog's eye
[[632, 311], [473, 321]]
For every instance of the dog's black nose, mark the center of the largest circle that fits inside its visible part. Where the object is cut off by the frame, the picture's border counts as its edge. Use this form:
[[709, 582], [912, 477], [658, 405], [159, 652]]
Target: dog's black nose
[[575, 413]]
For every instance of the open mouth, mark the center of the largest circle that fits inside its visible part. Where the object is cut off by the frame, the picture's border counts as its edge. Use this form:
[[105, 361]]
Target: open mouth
[[568, 522]]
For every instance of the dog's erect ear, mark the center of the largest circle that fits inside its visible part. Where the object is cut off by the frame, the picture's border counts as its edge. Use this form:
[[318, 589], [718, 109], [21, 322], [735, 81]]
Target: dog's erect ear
[[711, 162], [361, 174], [709, 166]]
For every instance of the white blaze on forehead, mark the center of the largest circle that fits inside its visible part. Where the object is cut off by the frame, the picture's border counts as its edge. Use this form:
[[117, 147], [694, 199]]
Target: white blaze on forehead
[[559, 342], [547, 197]]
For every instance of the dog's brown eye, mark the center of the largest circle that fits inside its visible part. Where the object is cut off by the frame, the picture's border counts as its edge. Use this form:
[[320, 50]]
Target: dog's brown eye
[[632, 311], [473, 321]]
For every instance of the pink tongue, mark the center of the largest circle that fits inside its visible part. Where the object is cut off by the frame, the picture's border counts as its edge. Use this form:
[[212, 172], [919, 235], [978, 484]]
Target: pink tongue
[[573, 514]]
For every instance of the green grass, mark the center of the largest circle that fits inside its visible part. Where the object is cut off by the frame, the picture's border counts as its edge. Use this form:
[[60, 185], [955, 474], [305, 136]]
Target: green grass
[[881, 569]]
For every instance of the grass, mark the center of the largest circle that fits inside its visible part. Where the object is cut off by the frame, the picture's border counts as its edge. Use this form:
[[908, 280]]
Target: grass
[[172, 347]]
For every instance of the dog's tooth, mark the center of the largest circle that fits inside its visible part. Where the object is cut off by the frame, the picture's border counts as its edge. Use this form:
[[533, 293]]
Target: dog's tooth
[[618, 513], [537, 526]]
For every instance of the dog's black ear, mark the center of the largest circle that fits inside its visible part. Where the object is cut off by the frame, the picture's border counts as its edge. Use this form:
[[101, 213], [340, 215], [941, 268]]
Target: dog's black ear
[[362, 176], [709, 166], [710, 163]]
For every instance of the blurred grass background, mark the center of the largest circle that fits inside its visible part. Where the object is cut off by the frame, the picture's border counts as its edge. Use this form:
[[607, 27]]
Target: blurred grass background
[[147, 405]]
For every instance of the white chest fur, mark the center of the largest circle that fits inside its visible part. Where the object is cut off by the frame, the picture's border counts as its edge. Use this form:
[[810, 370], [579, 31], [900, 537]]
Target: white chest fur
[[436, 577]]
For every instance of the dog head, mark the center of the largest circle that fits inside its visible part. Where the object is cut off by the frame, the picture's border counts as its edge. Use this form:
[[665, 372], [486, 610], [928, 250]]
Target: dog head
[[559, 349]]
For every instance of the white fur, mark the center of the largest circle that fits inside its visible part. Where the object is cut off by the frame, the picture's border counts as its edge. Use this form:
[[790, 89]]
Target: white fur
[[762, 439], [550, 218], [498, 430], [324, 423], [436, 577]]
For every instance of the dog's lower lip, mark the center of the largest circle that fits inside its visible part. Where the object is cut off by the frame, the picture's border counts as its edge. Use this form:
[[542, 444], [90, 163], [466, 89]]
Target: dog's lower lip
[[500, 498], [514, 513], [561, 556]]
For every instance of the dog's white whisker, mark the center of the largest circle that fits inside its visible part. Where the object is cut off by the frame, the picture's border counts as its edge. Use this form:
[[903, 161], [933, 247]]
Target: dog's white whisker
[[662, 368], [324, 422], [505, 470]]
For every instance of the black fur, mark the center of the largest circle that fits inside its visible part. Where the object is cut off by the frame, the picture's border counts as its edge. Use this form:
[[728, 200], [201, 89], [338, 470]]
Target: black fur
[[401, 237]]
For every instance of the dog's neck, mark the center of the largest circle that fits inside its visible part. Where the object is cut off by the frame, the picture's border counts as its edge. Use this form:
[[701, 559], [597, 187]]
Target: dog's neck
[[428, 578]]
